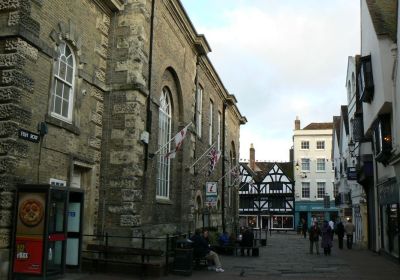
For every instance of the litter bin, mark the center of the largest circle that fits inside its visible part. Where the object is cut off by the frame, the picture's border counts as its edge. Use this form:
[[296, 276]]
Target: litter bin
[[183, 259]]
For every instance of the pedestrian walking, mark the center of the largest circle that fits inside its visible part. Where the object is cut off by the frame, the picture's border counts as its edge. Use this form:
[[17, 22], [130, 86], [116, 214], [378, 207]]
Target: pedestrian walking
[[332, 225], [314, 233], [349, 229], [326, 242], [201, 248], [304, 228], [339, 230]]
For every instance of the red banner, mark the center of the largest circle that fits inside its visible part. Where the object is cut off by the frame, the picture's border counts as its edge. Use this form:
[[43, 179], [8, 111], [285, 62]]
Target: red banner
[[28, 255]]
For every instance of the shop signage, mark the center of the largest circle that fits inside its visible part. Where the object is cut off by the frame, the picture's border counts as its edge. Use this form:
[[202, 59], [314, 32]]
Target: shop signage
[[29, 136], [351, 173], [211, 194]]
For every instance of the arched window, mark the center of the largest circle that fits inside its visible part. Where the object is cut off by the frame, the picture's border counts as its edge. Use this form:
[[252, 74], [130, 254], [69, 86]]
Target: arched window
[[164, 135], [63, 84]]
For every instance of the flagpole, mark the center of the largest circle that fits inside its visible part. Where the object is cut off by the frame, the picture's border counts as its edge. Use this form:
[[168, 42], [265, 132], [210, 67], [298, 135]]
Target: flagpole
[[202, 155], [204, 166], [156, 152], [228, 172]]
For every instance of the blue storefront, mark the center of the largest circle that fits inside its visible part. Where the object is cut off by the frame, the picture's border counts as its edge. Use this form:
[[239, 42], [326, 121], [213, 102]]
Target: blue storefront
[[314, 210]]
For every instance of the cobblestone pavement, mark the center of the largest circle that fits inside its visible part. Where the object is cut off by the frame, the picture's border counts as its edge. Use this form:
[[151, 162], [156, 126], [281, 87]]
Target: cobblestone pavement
[[286, 257]]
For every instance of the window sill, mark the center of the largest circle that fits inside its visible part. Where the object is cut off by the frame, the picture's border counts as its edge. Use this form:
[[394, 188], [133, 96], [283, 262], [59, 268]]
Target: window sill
[[165, 201], [59, 123]]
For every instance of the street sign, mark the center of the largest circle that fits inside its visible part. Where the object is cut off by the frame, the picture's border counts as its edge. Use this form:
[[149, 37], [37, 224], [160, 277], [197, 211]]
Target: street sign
[[27, 135]]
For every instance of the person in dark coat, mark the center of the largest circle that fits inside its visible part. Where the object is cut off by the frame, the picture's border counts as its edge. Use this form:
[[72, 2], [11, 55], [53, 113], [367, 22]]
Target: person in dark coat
[[314, 232], [326, 242], [304, 228], [201, 248], [339, 230], [247, 241]]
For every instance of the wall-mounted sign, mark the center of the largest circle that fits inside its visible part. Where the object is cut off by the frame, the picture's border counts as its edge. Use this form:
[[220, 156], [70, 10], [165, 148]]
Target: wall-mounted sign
[[29, 136], [211, 188], [211, 194], [351, 173]]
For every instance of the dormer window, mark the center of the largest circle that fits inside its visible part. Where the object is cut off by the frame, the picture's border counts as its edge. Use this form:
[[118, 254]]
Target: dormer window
[[382, 138], [365, 80]]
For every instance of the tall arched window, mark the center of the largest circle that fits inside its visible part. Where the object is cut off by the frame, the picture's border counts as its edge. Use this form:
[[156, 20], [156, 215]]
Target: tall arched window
[[164, 135], [63, 84]]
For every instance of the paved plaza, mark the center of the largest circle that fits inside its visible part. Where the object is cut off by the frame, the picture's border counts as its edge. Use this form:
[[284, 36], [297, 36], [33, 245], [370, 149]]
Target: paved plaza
[[286, 256]]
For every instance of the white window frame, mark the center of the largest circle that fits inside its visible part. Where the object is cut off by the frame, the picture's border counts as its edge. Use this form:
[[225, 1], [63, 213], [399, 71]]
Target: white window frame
[[199, 108], [321, 194], [164, 135], [210, 124], [304, 163], [319, 144], [304, 145], [321, 163], [60, 82], [304, 186]]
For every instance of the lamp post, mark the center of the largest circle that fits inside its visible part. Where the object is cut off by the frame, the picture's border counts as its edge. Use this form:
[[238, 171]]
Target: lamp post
[[352, 147]]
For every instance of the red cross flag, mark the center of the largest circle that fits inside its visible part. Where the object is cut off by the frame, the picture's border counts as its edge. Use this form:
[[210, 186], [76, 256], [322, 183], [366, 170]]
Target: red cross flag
[[179, 137], [214, 156]]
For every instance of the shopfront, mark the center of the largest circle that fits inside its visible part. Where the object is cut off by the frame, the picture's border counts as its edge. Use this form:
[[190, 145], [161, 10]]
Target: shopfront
[[314, 211], [390, 217], [277, 222]]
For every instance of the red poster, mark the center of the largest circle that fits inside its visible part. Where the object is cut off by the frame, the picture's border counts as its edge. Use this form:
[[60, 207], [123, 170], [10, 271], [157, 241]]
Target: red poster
[[28, 255]]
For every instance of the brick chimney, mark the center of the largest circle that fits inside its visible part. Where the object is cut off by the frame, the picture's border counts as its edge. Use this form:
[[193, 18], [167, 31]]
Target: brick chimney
[[297, 123], [252, 157]]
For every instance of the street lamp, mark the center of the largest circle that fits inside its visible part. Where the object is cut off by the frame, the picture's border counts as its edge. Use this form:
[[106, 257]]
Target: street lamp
[[302, 174], [352, 147]]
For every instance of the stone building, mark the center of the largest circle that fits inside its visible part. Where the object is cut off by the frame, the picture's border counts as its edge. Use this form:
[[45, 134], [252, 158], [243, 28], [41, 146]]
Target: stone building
[[89, 93]]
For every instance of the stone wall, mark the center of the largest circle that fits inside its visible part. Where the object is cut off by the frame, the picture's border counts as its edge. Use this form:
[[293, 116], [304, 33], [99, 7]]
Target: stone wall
[[102, 144], [29, 36]]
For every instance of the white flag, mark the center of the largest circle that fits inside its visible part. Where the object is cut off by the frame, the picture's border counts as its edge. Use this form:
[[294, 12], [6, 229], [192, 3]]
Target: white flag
[[179, 137]]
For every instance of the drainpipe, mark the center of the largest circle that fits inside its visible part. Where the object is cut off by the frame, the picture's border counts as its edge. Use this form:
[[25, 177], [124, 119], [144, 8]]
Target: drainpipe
[[148, 109], [223, 167]]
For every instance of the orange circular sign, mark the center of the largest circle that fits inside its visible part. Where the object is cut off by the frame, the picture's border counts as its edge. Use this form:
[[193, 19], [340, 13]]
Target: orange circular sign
[[31, 212]]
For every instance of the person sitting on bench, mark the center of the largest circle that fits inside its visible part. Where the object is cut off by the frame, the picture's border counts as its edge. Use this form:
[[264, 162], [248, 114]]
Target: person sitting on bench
[[201, 248], [247, 241]]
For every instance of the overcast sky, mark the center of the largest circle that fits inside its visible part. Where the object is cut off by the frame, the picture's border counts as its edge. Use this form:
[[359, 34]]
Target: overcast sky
[[281, 59]]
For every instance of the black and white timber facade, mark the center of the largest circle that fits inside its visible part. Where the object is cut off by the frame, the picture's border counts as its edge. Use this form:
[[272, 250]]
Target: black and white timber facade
[[266, 195]]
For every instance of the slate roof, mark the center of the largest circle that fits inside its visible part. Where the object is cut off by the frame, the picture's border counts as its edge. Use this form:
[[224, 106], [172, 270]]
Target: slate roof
[[345, 116], [316, 126], [266, 166], [336, 127]]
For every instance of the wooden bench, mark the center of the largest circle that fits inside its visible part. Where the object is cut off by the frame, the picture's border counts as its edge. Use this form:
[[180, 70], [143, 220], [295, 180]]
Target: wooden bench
[[255, 250], [104, 254], [224, 249]]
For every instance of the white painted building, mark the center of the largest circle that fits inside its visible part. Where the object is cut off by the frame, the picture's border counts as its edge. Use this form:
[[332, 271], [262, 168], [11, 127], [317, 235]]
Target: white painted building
[[375, 123], [313, 172]]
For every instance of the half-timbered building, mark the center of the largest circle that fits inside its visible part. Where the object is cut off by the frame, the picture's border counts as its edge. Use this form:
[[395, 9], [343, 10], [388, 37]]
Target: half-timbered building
[[266, 195]]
